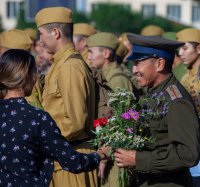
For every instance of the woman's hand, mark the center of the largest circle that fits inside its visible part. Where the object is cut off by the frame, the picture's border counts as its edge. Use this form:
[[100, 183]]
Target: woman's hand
[[125, 158], [104, 153], [101, 170]]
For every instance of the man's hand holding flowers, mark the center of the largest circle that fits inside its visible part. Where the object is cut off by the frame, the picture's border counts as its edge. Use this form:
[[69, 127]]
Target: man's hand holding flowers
[[125, 158]]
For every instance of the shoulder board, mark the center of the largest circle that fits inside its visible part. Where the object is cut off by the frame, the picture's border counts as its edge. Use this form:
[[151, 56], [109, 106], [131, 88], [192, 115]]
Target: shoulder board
[[174, 92]]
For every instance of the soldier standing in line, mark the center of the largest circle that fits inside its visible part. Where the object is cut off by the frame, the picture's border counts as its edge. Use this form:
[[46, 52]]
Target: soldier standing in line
[[69, 90], [102, 49]]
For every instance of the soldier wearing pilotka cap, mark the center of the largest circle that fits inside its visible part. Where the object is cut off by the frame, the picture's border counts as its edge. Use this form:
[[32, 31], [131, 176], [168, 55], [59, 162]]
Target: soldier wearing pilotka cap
[[102, 49], [69, 91], [176, 132]]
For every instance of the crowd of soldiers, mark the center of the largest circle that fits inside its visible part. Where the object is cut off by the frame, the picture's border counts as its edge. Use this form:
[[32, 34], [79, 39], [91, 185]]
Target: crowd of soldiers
[[77, 66]]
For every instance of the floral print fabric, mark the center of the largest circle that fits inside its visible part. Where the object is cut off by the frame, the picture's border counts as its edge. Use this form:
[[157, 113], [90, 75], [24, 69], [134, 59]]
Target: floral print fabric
[[29, 143]]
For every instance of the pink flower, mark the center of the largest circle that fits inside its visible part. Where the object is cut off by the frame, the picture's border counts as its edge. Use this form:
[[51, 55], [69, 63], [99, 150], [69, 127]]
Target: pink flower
[[125, 116], [129, 130], [134, 114]]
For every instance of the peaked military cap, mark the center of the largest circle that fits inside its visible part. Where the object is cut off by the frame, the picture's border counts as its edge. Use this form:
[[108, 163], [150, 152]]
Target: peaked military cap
[[53, 15], [152, 46], [83, 29], [103, 39]]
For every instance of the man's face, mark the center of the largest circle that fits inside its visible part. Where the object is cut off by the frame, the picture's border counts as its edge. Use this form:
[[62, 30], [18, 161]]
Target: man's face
[[188, 53], [145, 72], [95, 55], [48, 40], [77, 42]]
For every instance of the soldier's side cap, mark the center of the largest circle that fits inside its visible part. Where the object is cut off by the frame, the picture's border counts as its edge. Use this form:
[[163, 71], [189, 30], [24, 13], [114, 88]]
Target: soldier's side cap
[[169, 35], [53, 15], [152, 30], [15, 39], [32, 33], [188, 35], [121, 51], [103, 39], [152, 46], [83, 29]]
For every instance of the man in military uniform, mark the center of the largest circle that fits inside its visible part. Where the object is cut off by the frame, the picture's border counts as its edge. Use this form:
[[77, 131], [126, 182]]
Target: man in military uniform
[[176, 132], [18, 39], [102, 47], [102, 50], [69, 91], [81, 32]]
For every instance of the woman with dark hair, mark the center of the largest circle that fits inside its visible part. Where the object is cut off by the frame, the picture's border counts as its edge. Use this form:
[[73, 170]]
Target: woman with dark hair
[[30, 139]]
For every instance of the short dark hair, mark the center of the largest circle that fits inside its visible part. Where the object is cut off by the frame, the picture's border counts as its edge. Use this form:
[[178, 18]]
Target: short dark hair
[[17, 69], [112, 52], [66, 29]]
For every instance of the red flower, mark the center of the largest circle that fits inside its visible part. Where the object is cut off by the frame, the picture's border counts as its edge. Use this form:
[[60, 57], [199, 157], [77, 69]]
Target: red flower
[[104, 121], [97, 123]]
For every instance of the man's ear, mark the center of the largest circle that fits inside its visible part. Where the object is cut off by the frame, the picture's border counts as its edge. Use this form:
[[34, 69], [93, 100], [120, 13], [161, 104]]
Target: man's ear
[[161, 62], [198, 48], [106, 53], [56, 32]]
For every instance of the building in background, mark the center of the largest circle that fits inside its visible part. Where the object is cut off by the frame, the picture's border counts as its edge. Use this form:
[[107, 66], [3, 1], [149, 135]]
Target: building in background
[[182, 11], [186, 12], [9, 9]]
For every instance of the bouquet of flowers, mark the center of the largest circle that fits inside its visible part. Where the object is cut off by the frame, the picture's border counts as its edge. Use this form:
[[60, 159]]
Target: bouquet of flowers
[[128, 128]]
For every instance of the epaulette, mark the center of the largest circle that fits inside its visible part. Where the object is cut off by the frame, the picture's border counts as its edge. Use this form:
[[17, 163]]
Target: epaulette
[[174, 92]]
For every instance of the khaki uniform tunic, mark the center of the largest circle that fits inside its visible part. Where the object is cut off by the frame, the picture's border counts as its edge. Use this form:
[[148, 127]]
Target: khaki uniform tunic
[[69, 97], [191, 81], [176, 140], [116, 77]]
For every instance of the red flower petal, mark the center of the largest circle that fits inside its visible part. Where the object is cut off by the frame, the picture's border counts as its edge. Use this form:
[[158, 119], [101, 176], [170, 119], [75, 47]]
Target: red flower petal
[[97, 123], [104, 121]]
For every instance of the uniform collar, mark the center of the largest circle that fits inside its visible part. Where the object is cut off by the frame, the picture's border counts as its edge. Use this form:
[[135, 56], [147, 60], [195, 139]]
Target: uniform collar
[[59, 55], [106, 70]]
